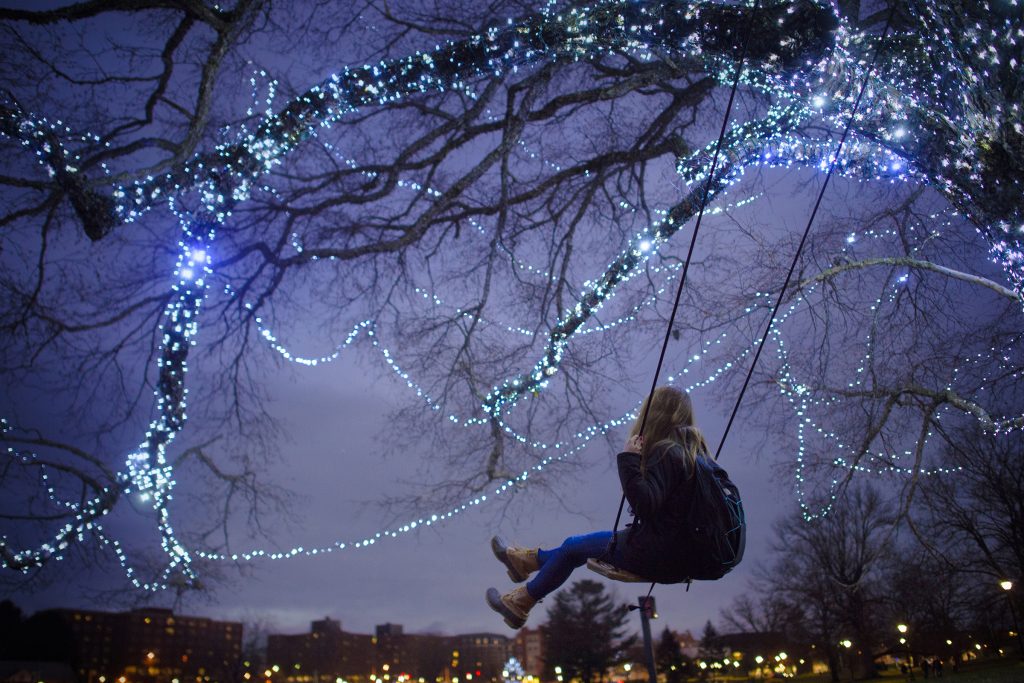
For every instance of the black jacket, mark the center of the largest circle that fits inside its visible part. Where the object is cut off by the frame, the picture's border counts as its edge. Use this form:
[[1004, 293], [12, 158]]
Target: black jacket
[[654, 547]]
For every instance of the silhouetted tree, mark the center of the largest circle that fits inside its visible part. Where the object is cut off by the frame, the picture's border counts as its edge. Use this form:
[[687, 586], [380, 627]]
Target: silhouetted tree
[[973, 522], [709, 649], [671, 662], [12, 631], [585, 632], [825, 583]]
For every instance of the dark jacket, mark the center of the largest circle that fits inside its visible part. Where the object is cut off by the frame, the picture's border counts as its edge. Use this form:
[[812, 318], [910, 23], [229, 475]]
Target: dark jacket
[[658, 496]]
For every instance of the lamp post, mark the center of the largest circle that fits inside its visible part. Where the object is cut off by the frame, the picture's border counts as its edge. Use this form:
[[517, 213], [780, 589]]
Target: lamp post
[[1007, 586], [847, 643], [903, 629], [648, 611]]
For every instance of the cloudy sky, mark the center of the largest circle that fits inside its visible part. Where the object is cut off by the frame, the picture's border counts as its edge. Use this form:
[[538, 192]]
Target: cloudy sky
[[336, 420]]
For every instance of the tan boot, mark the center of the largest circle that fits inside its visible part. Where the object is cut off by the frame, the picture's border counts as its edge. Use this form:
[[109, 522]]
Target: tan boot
[[515, 605], [520, 562]]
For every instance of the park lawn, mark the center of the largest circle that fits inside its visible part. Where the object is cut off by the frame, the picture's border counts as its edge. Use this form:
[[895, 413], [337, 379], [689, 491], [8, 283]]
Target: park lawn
[[991, 671]]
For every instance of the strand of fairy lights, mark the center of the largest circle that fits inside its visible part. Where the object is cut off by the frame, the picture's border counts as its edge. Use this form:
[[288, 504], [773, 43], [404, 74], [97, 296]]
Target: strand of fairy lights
[[802, 401], [267, 151], [585, 436]]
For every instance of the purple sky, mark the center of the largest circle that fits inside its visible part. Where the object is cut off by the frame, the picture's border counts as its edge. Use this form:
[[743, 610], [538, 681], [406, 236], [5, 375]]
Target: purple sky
[[435, 579]]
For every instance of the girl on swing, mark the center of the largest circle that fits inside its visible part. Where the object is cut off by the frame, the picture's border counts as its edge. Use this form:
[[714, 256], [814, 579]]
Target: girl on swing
[[656, 472]]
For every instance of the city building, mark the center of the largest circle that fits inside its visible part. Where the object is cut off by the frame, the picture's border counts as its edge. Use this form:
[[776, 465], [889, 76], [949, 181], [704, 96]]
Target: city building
[[528, 648], [480, 656], [151, 646], [323, 655], [328, 653]]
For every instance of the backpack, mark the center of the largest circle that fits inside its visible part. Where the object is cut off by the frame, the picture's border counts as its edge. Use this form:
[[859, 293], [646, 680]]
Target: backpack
[[716, 528]]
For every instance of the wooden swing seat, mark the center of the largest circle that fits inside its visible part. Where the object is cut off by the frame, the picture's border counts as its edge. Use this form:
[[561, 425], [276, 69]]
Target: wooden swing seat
[[610, 571]]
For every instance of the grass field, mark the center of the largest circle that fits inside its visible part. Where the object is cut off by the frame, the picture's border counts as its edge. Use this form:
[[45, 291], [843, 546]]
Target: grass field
[[988, 671]]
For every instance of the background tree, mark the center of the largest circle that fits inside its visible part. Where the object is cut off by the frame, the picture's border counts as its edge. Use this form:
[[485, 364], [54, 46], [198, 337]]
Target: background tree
[[12, 630], [510, 251], [709, 648], [973, 523], [669, 658], [937, 600], [825, 584], [585, 632]]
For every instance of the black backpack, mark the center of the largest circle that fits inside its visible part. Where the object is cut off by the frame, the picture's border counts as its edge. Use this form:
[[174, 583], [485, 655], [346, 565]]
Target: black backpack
[[716, 529]]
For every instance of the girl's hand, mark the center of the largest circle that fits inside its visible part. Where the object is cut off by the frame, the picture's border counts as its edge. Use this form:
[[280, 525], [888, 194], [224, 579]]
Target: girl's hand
[[634, 444]]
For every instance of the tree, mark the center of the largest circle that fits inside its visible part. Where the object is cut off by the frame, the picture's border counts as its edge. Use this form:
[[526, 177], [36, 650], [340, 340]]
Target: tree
[[936, 600], [509, 251], [709, 649], [12, 630], [974, 523], [670, 659], [585, 632], [825, 583]]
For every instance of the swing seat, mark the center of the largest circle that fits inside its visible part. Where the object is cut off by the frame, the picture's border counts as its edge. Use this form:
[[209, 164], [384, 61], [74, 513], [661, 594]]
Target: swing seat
[[610, 571]]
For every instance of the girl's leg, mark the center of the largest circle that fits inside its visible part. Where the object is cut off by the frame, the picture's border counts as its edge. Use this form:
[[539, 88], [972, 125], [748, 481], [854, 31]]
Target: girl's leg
[[556, 565]]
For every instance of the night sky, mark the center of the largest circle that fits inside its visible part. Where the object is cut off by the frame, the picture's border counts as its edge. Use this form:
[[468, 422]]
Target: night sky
[[433, 580], [333, 459], [337, 453]]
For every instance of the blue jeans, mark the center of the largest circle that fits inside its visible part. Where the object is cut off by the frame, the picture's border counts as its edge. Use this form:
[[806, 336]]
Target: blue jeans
[[557, 565]]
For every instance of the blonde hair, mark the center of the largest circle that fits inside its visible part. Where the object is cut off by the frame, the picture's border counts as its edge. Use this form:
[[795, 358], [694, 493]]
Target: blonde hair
[[669, 422]]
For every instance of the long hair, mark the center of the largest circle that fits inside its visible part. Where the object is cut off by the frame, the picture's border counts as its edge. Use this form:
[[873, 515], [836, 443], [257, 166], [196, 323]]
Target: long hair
[[669, 422]]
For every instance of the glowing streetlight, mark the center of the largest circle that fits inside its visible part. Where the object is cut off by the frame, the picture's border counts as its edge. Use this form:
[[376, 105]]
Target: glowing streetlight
[[846, 643], [1007, 586], [902, 628]]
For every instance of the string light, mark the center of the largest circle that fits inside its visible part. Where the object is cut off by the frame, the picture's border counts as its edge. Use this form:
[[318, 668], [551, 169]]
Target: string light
[[933, 116]]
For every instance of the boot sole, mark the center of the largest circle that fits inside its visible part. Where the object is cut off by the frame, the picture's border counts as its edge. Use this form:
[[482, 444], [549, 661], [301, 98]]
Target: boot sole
[[511, 619], [498, 548]]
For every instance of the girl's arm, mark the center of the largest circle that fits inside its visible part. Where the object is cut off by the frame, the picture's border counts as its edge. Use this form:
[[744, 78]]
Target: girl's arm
[[647, 491]]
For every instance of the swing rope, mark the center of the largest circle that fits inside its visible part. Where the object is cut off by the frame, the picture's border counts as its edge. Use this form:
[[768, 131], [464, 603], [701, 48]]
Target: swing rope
[[796, 257], [807, 231], [689, 254]]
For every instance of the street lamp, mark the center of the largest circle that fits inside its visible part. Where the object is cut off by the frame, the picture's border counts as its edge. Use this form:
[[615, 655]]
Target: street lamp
[[902, 628], [1007, 586], [847, 643]]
